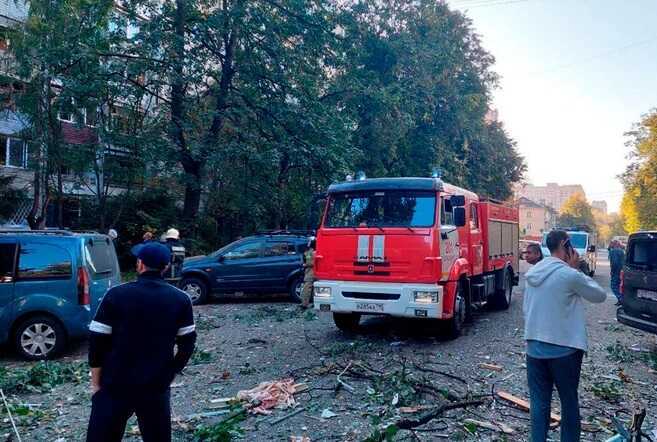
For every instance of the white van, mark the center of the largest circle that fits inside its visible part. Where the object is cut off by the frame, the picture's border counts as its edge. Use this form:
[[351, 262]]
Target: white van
[[585, 244]]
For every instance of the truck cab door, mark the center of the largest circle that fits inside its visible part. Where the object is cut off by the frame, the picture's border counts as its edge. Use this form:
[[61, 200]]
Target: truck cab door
[[8, 251], [476, 257]]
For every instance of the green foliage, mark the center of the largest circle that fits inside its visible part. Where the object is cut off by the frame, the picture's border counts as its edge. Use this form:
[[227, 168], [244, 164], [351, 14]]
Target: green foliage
[[200, 357], [41, 377], [576, 211], [639, 206], [224, 431], [260, 106], [608, 391]]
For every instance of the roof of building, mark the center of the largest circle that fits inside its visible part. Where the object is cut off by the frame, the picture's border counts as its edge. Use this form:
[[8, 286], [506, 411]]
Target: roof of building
[[526, 202]]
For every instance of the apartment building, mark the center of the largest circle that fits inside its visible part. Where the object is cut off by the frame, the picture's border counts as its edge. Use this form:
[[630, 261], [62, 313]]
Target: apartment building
[[552, 194], [535, 218]]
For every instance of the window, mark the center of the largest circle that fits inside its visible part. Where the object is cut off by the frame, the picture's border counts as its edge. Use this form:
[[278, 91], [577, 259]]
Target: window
[[529, 214], [100, 257], [13, 152], [244, 251], [474, 218], [40, 261], [382, 209], [643, 254], [7, 260], [279, 249], [446, 212]]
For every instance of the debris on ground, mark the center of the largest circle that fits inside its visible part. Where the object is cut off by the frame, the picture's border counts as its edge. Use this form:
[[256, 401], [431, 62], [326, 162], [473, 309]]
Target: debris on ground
[[268, 395]]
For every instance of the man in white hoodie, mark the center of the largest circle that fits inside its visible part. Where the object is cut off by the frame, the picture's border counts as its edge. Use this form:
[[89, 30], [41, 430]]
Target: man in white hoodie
[[555, 331]]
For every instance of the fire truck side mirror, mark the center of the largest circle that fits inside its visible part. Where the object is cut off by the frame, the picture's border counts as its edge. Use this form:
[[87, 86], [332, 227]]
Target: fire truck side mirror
[[459, 216]]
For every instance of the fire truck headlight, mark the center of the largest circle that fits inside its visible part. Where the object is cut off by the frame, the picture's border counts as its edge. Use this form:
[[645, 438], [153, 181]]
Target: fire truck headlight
[[322, 292], [422, 297]]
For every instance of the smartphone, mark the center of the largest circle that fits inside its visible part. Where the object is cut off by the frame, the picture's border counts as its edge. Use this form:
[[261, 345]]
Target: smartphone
[[569, 249]]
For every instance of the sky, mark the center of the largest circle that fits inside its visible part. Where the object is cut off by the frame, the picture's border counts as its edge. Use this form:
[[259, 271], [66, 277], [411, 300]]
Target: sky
[[575, 76]]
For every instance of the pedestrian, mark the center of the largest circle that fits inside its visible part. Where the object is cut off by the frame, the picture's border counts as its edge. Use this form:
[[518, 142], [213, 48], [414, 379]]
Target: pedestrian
[[177, 249], [533, 254], [555, 331], [308, 274], [131, 351], [616, 262], [148, 237]]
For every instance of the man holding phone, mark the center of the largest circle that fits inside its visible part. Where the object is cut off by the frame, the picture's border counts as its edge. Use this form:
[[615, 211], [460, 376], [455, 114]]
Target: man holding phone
[[555, 331]]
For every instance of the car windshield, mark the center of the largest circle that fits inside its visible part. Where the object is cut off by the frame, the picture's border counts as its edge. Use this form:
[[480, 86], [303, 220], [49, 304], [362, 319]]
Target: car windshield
[[578, 240], [382, 209], [643, 254]]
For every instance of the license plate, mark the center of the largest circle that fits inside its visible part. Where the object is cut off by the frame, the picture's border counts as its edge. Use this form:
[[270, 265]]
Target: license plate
[[369, 307], [646, 294]]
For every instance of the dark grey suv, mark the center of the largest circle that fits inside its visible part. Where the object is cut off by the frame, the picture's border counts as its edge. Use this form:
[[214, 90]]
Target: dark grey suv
[[266, 263], [639, 283]]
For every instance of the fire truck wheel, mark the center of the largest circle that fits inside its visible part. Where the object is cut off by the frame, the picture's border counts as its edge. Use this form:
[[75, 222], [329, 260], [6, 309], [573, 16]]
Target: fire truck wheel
[[196, 289], [502, 298], [347, 322], [454, 326]]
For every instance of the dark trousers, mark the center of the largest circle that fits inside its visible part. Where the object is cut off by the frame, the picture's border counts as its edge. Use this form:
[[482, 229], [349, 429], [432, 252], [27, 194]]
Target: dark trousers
[[615, 285], [542, 376], [110, 413]]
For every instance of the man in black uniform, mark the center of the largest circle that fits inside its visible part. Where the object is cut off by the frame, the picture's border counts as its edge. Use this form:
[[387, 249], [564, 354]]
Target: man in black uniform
[[131, 351]]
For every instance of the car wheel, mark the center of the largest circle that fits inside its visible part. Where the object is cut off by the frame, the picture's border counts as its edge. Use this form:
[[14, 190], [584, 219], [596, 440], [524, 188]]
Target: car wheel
[[454, 326], [196, 289], [295, 289], [39, 337], [347, 322]]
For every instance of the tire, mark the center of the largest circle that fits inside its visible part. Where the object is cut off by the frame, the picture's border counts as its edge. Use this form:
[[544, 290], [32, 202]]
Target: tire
[[502, 298], [196, 289], [453, 327], [39, 337], [585, 268], [347, 322], [294, 289]]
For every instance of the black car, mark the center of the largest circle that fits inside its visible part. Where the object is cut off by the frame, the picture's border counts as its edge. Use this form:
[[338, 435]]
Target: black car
[[265, 263], [639, 282]]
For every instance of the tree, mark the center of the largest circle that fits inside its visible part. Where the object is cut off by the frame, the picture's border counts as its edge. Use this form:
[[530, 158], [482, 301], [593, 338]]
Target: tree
[[576, 211], [630, 214], [51, 49], [639, 206], [418, 92]]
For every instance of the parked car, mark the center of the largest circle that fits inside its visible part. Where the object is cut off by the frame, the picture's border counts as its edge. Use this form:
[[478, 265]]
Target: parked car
[[51, 283], [639, 283], [266, 263]]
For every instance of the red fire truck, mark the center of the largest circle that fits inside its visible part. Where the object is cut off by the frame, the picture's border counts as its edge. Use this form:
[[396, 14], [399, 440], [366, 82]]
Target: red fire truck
[[413, 247]]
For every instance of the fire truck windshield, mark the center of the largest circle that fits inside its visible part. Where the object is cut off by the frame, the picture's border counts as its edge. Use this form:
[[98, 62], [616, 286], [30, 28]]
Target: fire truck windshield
[[396, 208]]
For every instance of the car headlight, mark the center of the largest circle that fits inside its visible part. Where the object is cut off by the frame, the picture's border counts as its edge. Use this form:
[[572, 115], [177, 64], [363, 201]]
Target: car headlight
[[322, 292], [422, 297]]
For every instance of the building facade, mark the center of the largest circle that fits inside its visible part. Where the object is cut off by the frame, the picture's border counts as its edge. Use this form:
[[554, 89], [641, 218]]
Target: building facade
[[535, 219], [552, 194], [600, 205]]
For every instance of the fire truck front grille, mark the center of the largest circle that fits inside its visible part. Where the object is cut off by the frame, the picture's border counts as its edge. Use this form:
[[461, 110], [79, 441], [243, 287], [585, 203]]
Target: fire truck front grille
[[376, 296]]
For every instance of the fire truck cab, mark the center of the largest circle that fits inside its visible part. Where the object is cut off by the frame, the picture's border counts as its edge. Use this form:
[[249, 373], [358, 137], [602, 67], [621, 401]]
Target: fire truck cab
[[413, 247]]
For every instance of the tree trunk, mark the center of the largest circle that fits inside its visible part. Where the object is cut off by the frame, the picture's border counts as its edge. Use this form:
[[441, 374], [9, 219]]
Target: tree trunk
[[60, 199]]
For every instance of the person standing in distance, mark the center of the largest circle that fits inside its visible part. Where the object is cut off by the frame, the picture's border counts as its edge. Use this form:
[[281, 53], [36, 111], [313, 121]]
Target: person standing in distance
[[555, 331], [131, 351], [533, 254], [308, 274], [616, 262]]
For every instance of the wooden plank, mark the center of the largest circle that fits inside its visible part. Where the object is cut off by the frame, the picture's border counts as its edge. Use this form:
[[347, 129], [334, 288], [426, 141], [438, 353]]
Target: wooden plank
[[493, 367], [523, 404]]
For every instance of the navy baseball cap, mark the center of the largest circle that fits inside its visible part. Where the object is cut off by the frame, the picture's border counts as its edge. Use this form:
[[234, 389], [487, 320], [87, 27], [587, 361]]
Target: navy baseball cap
[[152, 254]]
